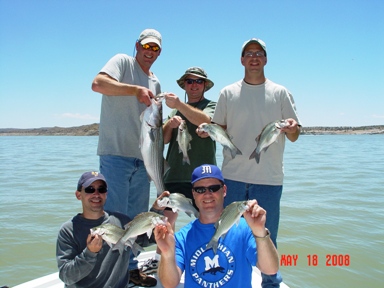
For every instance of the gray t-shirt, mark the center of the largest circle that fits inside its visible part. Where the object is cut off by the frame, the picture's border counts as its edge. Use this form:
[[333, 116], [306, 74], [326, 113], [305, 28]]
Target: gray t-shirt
[[119, 131]]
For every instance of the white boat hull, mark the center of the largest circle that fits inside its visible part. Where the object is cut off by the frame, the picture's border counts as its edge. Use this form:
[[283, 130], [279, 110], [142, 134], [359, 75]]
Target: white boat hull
[[53, 281]]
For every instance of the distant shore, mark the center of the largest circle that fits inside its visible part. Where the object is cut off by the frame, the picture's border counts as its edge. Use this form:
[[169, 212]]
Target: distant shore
[[93, 130]]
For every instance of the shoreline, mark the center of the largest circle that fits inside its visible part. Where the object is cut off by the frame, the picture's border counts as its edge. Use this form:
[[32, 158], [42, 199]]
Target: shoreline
[[93, 130]]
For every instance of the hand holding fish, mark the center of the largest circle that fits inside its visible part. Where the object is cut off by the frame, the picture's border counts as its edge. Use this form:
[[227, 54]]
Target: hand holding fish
[[144, 95], [200, 132], [291, 129], [172, 100], [174, 122], [94, 243], [256, 217], [155, 205]]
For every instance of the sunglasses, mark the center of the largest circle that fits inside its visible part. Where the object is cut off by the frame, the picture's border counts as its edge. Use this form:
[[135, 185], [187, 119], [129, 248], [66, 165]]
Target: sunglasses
[[91, 190], [212, 188], [197, 81], [153, 48]]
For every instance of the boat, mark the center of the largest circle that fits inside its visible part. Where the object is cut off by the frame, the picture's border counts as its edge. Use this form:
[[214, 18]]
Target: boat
[[53, 280]]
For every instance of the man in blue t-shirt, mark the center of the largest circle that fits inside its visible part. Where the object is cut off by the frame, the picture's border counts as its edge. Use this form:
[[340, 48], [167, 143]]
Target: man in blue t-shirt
[[243, 246]]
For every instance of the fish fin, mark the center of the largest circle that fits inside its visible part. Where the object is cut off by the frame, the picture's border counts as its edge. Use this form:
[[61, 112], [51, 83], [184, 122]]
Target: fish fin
[[188, 213], [119, 246], [253, 154], [186, 160], [166, 166], [136, 248], [212, 245]]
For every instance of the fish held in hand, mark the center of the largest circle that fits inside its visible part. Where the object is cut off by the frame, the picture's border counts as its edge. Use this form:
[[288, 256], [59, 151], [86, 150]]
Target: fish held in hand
[[218, 134], [152, 142], [178, 202], [230, 215], [183, 139], [143, 223], [268, 136]]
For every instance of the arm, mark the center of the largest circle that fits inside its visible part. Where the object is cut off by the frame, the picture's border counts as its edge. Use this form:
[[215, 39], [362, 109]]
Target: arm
[[168, 272], [74, 266], [172, 123], [292, 131], [268, 259], [194, 115], [105, 84]]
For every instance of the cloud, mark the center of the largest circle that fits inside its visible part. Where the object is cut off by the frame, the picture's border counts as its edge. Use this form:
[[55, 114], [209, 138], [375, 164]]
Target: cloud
[[76, 116], [378, 116]]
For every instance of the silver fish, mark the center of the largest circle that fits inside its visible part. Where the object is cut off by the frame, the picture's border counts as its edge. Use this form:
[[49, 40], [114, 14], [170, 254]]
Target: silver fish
[[177, 202], [111, 234], [230, 215], [142, 223], [268, 135], [217, 133], [184, 138], [152, 142]]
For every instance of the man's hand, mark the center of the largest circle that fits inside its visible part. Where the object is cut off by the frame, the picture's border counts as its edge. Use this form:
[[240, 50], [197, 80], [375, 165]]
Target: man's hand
[[94, 243]]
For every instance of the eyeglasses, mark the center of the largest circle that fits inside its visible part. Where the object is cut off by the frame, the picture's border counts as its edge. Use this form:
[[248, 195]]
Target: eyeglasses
[[197, 81], [153, 48], [212, 188], [251, 54], [91, 189]]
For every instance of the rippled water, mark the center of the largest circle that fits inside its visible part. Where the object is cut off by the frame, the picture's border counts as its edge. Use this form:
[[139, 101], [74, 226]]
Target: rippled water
[[332, 205]]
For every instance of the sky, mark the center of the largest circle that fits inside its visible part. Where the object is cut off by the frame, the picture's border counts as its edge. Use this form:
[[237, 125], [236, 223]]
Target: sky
[[329, 54]]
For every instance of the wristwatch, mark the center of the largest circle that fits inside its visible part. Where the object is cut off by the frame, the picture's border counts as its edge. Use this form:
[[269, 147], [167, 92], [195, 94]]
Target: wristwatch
[[268, 235]]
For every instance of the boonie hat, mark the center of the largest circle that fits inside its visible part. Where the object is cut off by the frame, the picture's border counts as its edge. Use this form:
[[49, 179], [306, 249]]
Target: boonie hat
[[254, 40], [150, 35], [88, 178], [198, 72], [206, 171]]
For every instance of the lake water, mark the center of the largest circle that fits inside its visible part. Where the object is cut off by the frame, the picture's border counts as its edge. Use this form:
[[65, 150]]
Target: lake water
[[331, 228]]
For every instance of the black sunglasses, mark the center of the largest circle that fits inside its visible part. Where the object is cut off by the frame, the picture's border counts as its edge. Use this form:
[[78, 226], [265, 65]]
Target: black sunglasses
[[91, 189], [212, 188], [197, 81]]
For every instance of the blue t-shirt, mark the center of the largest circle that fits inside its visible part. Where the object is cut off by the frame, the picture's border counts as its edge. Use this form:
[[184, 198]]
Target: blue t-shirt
[[230, 267]]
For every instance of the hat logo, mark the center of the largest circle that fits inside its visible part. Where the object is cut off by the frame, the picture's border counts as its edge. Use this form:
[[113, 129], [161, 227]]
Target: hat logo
[[95, 173], [206, 170]]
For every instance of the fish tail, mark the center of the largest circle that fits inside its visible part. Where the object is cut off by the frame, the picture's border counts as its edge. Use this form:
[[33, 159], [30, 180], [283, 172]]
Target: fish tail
[[212, 244], [186, 160]]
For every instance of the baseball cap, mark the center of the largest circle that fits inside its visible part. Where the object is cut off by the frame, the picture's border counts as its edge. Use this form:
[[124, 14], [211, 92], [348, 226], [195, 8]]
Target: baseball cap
[[198, 72], [206, 171], [88, 178], [150, 35], [254, 40]]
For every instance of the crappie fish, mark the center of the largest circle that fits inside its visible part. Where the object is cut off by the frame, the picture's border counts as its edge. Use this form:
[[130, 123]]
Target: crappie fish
[[111, 234], [231, 215], [217, 133], [177, 202], [142, 223], [184, 139], [268, 135], [152, 142]]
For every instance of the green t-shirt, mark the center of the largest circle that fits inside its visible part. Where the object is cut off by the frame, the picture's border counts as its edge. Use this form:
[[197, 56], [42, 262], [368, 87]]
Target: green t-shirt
[[203, 150]]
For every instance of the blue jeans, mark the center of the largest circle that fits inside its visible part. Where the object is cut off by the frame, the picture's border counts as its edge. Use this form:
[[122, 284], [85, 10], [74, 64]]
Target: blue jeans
[[128, 187], [268, 197]]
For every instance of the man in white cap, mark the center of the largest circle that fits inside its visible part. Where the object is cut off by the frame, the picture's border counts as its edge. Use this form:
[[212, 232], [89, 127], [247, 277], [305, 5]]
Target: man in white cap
[[244, 108], [127, 84]]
